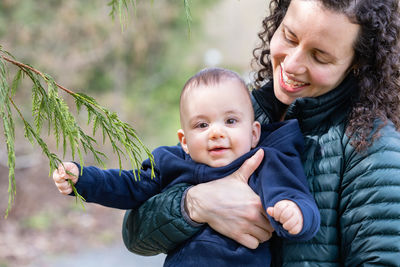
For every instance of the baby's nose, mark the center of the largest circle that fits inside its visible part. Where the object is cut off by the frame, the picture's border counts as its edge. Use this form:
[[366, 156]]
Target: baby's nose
[[216, 132]]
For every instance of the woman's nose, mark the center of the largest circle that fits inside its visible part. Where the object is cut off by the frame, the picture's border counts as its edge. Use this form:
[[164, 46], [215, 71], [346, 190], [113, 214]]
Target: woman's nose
[[295, 62]]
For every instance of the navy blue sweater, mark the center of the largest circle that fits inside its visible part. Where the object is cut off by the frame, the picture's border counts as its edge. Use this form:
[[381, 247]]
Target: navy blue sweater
[[280, 176]]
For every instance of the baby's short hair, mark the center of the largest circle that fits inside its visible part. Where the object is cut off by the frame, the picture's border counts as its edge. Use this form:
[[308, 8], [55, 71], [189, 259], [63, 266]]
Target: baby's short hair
[[211, 76]]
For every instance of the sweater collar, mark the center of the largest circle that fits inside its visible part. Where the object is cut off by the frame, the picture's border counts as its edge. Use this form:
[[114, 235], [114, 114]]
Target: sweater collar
[[322, 111]]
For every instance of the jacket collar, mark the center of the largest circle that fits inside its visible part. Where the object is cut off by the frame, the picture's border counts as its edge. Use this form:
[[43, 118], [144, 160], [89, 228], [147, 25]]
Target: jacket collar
[[313, 113]]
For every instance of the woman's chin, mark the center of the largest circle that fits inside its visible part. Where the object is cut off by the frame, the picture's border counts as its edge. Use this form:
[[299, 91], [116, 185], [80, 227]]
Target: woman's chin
[[282, 97]]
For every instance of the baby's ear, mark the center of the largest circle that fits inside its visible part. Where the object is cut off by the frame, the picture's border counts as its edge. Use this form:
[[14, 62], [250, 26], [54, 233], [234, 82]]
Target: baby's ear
[[182, 140], [256, 134]]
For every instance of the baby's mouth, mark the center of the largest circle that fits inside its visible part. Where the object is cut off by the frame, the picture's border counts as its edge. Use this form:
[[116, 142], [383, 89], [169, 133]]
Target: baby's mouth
[[216, 149]]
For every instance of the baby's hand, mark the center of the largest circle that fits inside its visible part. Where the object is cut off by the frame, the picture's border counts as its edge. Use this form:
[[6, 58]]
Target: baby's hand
[[60, 177], [288, 214]]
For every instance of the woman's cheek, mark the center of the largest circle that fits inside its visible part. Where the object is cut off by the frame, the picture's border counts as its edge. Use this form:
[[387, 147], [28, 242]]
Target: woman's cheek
[[277, 44], [322, 77], [324, 81]]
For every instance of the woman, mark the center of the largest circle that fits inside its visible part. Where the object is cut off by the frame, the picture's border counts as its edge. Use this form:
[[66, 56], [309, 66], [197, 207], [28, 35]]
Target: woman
[[334, 66]]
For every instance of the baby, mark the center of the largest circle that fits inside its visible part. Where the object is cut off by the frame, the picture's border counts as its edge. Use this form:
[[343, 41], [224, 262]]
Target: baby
[[218, 134]]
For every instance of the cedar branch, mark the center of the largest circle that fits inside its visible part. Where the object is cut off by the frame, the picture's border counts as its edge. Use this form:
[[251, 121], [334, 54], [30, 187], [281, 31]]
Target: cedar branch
[[24, 66]]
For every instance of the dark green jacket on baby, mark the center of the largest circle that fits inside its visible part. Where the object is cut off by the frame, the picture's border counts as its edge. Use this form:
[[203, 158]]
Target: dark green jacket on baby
[[358, 194]]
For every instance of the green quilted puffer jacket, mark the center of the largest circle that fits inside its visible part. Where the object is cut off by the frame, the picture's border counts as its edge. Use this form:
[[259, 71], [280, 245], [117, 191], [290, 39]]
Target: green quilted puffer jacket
[[358, 194]]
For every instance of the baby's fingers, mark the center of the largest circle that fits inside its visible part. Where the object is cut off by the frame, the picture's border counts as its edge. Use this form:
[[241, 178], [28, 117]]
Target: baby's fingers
[[67, 170], [270, 212], [293, 225], [59, 174], [64, 187], [279, 211]]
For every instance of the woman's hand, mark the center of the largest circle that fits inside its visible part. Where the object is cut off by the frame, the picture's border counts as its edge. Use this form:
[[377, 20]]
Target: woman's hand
[[231, 207]]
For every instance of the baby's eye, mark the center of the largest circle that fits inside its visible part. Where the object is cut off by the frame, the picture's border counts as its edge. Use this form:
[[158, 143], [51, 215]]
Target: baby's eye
[[231, 121], [202, 125]]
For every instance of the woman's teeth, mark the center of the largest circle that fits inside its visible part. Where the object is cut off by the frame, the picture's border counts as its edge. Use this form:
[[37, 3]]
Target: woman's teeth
[[291, 82]]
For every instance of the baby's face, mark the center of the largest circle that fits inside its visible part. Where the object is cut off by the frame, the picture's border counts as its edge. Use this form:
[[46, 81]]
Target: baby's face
[[217, 123]]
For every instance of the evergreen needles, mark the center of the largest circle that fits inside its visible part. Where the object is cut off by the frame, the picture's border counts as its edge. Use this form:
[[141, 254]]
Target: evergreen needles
[[49, 111], [188, 14], [117, 7]]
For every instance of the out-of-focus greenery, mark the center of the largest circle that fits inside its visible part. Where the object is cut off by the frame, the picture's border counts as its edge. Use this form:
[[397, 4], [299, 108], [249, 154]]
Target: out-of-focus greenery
[[137, 72]]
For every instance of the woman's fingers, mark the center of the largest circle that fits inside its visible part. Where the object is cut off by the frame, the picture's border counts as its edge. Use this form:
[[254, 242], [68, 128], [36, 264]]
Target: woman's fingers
[[265, 224], [249, 166], [259, 233], [231, 207], [234, 215], [251, 231], [248, 241]]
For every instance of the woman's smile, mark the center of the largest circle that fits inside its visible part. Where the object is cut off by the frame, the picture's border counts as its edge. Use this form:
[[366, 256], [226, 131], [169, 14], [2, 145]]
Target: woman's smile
[[290, 84]]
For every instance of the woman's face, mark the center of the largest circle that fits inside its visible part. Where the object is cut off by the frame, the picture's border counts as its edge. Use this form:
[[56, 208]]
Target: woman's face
[[311, 51]]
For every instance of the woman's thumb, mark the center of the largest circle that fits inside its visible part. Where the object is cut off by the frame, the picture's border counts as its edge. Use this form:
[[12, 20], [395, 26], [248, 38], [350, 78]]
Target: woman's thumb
[[250, 165]]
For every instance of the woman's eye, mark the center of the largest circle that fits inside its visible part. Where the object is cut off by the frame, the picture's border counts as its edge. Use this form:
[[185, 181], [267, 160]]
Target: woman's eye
[[290, 41], [231, 121], [319, 60], [288, 38]]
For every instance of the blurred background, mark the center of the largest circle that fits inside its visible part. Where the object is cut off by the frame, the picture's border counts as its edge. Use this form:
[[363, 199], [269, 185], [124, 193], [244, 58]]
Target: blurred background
[[137, 71]]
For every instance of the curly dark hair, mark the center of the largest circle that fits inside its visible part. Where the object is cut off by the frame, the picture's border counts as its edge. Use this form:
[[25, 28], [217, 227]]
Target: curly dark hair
[[376, 61]]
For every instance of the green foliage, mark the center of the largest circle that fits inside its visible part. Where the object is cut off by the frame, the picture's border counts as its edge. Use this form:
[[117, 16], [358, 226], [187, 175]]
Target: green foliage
[[8, 126], [120, 7], [39, 222], [145, 62], [188, 14], [48, 106]]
